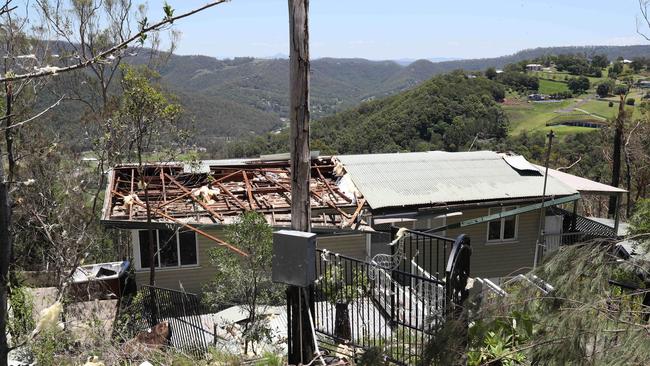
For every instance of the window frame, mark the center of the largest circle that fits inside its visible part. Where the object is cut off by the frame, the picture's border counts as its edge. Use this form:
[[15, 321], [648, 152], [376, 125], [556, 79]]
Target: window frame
[[502, 226], [135, 239]]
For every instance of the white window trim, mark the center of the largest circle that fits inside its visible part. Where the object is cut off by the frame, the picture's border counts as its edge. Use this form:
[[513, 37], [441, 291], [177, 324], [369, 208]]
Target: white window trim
[[135, 239], [502, 228]]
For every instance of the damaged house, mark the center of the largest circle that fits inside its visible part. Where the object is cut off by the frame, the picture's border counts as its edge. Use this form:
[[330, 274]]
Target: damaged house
[[496, 199]]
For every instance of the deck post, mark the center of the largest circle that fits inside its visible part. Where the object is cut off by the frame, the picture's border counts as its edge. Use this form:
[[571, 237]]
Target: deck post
[[574, 218], [393, 302], [616, 213]]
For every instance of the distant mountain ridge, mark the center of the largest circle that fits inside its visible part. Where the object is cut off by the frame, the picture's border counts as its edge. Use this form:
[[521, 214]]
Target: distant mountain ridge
[[242, 96], [337, 83]]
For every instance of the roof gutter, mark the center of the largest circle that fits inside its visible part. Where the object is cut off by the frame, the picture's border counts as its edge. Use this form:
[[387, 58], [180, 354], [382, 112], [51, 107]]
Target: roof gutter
[[443, 208], [508, 213]]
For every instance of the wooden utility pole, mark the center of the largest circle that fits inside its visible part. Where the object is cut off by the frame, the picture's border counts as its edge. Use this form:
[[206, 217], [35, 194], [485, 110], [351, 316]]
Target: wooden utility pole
[[301, 346], [542, 211], [299, 114]]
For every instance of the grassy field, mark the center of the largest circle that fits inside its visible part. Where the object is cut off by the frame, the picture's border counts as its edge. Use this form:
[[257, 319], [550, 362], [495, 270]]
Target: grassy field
[[563, 76], [532, 116], [561, 131], [602, 108], [535, 116], [527, 116], [552, 87]]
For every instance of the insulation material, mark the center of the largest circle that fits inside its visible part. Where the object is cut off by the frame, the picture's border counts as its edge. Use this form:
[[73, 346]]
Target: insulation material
[[346, 185], [206, 194]]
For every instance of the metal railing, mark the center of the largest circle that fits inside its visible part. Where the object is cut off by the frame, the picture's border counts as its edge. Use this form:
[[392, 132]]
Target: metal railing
[[575, 229], [399, 309], [428, 251], [366, 306], [182, 310]]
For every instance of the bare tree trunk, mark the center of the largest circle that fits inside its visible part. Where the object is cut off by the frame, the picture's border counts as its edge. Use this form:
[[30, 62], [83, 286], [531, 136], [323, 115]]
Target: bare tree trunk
[[301, 347], [616, 155], [5, 255], [5, 252]]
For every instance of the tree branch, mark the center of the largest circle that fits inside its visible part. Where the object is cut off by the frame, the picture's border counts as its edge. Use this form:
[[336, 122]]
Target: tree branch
[[48, 71], [33, 117]]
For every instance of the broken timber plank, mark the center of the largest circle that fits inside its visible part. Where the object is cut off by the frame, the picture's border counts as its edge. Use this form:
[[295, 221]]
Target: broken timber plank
[[201, 203], [356, 212], [314, 194], [237, 200], [196, 230], [329, 187], [248, 190]]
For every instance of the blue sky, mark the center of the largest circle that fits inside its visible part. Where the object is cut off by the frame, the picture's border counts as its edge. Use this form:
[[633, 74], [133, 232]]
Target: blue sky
[[382, 29]]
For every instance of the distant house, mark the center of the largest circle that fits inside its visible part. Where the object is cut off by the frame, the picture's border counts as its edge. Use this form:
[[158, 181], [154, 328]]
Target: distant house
[[626, 61], [537, 97], [494, 198], [534, 67], [644, 84]]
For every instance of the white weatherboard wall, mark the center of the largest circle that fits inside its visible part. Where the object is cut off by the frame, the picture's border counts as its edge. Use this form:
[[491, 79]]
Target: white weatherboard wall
[[350, 245], [194, 278], [499, 259]]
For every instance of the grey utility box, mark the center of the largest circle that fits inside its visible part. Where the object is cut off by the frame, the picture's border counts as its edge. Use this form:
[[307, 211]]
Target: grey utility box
[[294, 257]]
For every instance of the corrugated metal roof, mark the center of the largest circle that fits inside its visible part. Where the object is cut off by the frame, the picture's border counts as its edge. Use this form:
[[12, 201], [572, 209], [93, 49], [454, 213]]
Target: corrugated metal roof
[[434, 177], [583, 185]]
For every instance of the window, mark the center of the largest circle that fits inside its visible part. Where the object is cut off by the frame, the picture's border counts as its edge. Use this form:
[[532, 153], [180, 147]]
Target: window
[[173, 249], [504, 228]]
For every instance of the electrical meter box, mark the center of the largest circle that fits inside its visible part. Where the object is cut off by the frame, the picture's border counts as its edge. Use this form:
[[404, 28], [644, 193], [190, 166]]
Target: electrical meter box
[[294, 257]]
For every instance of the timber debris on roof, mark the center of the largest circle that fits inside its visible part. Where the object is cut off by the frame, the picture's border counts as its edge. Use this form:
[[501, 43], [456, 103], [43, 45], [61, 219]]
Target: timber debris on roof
[[220, 195]]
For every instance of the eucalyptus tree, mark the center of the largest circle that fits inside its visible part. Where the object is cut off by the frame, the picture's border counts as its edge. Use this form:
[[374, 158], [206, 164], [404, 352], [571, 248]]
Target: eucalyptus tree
[[30, 64]]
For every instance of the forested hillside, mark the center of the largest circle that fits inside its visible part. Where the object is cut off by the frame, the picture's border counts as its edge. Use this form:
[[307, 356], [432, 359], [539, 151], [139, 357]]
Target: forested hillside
[[336, 84], [243, 96], [445, 112]]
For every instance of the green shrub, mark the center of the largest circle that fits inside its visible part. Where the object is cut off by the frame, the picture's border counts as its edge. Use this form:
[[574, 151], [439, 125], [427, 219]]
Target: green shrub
[[21, 322], [271, 359], [51, 347], [640, 220], [373, 356], [630, 101]]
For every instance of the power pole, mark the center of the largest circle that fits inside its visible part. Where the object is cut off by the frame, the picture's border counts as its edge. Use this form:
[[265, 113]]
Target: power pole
[[542, 211], [301, 346]]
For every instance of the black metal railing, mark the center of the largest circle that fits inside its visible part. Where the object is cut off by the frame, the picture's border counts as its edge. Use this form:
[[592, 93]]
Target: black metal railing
[[425, 253], [182, 310], [397, 307], [576, 229]]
